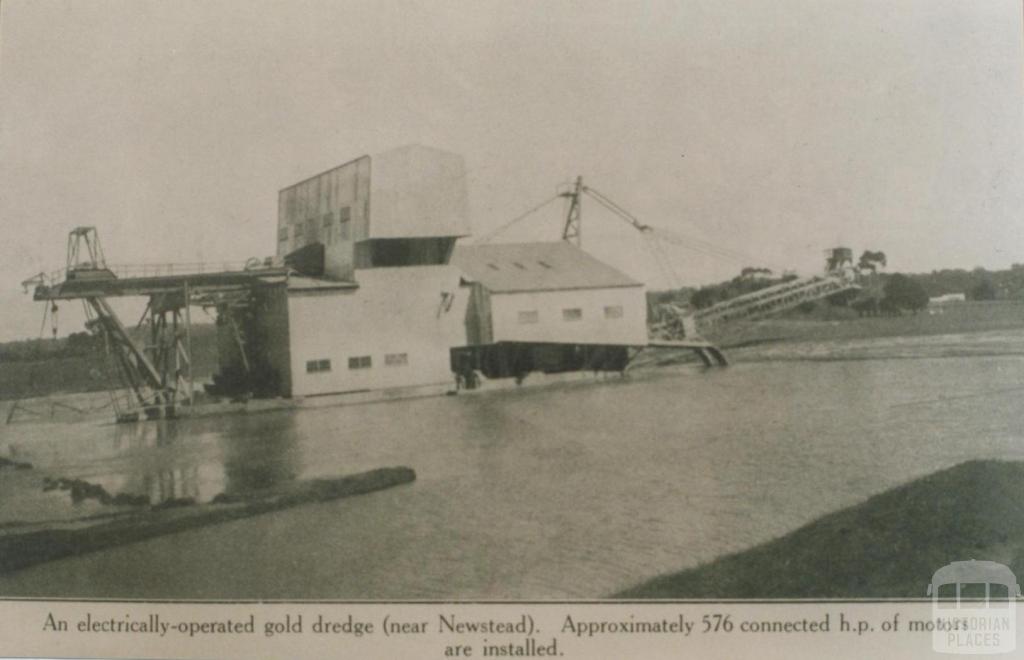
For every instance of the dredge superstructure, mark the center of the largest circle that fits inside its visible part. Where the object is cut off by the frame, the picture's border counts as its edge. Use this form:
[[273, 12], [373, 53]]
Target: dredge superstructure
[[369, 291]]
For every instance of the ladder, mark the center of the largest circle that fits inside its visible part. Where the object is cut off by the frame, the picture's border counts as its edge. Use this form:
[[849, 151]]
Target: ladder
[[138, 372], [773, 299]]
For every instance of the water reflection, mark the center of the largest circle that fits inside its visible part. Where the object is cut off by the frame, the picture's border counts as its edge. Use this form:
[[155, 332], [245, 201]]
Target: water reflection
[[547, 493], [259, 452], [170, 461], [163, 461], [158, 433]]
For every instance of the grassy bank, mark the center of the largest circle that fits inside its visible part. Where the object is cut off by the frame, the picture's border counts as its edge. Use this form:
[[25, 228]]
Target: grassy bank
[[840, 324], [886, 547], [20, 550]]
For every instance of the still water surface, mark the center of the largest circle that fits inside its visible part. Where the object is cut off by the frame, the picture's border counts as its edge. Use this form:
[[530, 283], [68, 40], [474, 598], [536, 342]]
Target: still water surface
[[576, 490]]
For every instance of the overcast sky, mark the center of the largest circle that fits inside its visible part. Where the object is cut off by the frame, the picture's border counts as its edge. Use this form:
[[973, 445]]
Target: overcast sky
[[774, 128]]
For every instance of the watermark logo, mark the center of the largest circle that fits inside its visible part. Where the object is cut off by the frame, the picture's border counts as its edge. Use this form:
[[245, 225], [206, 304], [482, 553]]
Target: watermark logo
[[974, 608]]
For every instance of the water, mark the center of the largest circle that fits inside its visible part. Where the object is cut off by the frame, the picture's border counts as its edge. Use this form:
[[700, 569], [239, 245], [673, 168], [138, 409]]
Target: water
[[576, 490]]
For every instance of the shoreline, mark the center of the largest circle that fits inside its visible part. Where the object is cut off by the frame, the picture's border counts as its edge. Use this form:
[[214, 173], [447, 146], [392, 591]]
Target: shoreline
[[968, 317], [747, 487], [649, 365], [50, 542], [817, 545]]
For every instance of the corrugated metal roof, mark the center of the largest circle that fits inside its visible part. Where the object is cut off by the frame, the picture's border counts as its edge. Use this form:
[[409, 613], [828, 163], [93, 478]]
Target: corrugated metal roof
[[514, 267]]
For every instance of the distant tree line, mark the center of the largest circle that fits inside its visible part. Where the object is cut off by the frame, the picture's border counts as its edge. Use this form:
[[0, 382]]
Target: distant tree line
[[883, 293], [902, 293], [82, 344], [749, 280], [77, 344], [976, 284]]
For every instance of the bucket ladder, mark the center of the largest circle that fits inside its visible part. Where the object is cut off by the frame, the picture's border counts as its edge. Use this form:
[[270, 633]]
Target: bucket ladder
[[160, 374]]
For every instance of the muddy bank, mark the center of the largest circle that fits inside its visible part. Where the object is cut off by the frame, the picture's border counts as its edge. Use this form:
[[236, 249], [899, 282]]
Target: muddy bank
[[21, 550], [8, 464], [886, 547]]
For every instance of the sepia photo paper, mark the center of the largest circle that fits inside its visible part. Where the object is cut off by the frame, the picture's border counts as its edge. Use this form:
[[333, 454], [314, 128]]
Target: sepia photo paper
[[511, 329]]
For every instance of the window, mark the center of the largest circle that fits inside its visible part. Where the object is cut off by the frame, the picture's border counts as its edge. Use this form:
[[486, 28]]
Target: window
[[973, 591], [946, 595], [544, 264], [572, 314], [310, 230], [998, 595], [529, 316], [318, 366], [613, 312], [360, 362], [327, 220], [518, 265], [493, 267], [396, 359], [282, 234]]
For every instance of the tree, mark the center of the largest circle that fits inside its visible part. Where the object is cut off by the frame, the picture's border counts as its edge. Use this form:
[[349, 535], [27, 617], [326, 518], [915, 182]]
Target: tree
[[80, 343], [871, 261], [751, 272], [984, 290], [843, 298], [704, 297], [902, 292]]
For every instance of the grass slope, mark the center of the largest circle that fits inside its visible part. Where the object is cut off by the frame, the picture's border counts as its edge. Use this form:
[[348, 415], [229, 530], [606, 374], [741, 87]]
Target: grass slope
[[886, 547], [835, 324]]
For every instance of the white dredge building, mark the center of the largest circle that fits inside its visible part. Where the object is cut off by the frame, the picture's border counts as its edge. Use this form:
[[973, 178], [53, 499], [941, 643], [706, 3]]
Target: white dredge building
[[380, 297]]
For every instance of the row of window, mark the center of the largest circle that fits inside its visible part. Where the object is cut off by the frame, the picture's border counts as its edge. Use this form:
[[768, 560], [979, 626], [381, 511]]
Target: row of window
[[307, 229], [569, 314], [358, 362]]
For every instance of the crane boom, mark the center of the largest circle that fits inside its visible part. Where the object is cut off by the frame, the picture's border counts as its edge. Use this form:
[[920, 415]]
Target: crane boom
[[673, 322], [571, 232]]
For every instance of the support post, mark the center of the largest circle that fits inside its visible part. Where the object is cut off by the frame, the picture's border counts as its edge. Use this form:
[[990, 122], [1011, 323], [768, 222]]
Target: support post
[[188, 343], [702, 354], [239, 341], [172, 345]]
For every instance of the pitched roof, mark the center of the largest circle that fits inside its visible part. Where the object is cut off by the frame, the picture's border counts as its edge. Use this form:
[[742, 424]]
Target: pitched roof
[[515, 267]]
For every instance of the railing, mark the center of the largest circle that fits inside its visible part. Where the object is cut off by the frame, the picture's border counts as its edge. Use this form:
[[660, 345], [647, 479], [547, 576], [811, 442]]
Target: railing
[[163, 270], [125, 271], [45, 279]]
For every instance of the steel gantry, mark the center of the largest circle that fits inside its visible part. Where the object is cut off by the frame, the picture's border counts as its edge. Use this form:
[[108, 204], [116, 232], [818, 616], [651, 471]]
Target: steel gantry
[[155, 366]]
